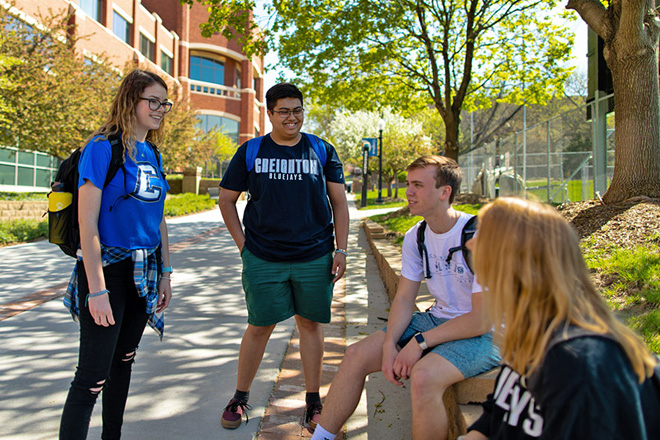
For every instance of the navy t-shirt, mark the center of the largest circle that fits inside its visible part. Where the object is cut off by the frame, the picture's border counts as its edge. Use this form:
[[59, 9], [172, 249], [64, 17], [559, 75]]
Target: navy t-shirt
[[288, 215]]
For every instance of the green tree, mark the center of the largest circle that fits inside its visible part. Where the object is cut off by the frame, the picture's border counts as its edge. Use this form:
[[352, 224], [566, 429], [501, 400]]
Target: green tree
[[403, 140], [412, 53], [52, 98], [451, 55], [5, 85], [233, 19], [631, 31]]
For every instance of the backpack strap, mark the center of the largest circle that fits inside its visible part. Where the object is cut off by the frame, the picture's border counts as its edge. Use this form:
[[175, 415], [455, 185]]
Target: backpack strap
[[468, 231], [159, 158], [252, 149], [422, 249], [319, 147], [116, 161]]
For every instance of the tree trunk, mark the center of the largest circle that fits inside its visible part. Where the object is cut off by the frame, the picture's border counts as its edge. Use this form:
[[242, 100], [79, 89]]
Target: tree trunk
[[637, 135], [452, 122], [630, 31], [637, 124]]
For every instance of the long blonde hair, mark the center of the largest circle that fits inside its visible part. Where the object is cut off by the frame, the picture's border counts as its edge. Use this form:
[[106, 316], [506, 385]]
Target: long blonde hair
[[527, 258], [122, 118]]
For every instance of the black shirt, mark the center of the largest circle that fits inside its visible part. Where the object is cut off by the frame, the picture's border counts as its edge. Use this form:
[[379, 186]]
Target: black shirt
[[586, 390]]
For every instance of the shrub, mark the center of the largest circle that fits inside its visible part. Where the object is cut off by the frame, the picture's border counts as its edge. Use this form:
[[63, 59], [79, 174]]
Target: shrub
[[21, 230], [188, 203]]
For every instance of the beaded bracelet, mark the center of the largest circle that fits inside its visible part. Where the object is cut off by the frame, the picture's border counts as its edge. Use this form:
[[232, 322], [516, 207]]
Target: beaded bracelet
[[92, 295], [341, 251], [165, 278]]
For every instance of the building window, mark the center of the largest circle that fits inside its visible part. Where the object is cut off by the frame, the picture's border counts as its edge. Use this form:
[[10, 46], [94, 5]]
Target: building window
[[165, 62], [92, 8], [121, 27], [146, 47], [227, 126], [238, 77], [207, 70], [27, 168]]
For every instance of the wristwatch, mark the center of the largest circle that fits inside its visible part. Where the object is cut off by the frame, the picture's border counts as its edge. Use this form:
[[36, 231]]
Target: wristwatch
[[421, 341]]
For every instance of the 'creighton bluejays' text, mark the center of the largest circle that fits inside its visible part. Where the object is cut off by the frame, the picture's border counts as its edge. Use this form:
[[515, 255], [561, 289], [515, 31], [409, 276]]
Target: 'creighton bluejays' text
[[286, 169]]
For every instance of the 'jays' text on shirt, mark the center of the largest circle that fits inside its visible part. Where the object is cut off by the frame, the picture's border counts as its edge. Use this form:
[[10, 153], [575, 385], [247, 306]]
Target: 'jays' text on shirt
[[518, 403]]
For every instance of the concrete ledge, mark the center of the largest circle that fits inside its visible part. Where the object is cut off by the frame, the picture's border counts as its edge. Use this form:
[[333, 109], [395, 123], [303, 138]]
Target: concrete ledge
[[27, 209], [463, 399], [214, 192]]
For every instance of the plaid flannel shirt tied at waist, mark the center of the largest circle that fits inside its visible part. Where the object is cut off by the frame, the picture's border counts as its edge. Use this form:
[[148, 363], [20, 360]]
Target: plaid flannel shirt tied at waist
[[145, 274]]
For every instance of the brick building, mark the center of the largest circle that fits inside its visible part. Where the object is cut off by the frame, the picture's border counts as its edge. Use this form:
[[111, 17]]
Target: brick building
[[222, 83]]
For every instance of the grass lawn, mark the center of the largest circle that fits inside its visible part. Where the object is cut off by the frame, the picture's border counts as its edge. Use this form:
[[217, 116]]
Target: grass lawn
[[372, 196], [401, 223]]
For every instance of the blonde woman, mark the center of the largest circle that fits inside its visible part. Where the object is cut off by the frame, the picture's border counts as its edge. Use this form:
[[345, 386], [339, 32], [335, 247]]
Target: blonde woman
[[122, 278], [571, 369]]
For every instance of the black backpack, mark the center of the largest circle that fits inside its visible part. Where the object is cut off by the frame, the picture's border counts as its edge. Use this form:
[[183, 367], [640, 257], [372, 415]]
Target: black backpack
[[63, 228], [467, 233]]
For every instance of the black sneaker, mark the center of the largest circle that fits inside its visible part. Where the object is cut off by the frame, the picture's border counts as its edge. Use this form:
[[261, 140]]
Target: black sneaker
[[313, 414], [233, 414]]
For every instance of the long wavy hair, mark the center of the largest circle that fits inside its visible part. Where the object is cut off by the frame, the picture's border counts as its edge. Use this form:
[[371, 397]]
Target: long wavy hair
[[528, 260], [122, 118]]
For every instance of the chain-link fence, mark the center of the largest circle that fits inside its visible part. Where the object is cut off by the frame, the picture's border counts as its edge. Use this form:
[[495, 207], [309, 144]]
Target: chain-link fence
[[552, 161]]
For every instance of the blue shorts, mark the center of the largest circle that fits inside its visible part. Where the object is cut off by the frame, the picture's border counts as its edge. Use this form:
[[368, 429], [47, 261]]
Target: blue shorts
[[471, 356]]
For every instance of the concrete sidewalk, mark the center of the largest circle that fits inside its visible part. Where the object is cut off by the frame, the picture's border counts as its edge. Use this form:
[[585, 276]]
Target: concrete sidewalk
[[180, 385]]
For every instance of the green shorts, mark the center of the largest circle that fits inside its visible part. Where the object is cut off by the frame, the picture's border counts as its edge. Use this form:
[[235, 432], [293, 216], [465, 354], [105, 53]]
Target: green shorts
[[275, 291]]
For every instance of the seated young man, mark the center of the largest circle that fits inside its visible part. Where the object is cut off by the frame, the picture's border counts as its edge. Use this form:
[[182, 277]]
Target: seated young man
[[437, 348]]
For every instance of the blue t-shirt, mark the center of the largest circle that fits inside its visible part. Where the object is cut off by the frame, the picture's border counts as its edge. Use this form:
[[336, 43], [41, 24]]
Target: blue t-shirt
[[129, 223], [288, 215]]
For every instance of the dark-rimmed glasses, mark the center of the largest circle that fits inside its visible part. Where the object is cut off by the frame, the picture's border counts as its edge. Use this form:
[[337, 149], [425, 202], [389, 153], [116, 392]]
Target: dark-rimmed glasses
[[155, 104], [297, 112]]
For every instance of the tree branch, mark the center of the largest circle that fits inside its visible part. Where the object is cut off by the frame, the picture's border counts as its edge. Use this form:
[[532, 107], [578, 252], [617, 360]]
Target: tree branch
[[595, 15]]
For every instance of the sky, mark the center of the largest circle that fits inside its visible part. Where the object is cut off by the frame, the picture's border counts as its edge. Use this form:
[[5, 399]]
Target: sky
[[577, 26]]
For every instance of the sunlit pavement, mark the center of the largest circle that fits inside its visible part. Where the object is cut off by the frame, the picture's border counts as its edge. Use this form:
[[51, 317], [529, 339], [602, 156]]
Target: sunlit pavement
[[180, 385]]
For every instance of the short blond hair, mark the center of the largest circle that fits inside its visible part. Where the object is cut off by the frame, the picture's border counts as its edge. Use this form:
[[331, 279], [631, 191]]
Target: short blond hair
[[447, 172], [528, 260]]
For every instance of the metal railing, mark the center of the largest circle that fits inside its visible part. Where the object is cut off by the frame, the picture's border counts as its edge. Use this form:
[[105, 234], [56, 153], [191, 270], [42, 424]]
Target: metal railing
[[552, 161], [207, 88]]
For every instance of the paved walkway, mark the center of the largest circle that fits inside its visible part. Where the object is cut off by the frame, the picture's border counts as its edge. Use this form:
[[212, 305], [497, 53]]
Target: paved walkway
[[181, 384]]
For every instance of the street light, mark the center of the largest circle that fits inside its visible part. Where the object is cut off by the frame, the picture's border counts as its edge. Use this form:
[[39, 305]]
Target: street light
[[381, 127], [365, 169]]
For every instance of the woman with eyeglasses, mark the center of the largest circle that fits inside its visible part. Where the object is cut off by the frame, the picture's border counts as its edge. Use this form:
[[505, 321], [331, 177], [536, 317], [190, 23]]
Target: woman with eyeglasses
[[122, 277], [571, 369]]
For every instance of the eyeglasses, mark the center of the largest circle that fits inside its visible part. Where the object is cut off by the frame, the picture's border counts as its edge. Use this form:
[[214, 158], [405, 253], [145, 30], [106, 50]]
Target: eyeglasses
[[155, 104], [297, 112]]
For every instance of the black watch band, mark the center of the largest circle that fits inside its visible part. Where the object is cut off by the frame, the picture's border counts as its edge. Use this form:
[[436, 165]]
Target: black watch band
[[421, 341]]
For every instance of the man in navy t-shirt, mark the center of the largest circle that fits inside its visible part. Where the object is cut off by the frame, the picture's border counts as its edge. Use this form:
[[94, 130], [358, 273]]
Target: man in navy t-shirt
[[290, 262]]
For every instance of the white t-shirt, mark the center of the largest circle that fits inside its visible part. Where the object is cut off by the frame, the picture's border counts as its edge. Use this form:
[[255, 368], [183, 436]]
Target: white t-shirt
[[451, 284]]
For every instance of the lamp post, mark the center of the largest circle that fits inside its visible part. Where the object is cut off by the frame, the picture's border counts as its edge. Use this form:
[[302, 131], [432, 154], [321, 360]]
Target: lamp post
[[365, 168], [381, 127]]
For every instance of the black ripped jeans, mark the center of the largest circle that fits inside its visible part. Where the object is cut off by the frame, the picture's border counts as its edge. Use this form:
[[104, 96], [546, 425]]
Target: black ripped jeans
[[105, 359]]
